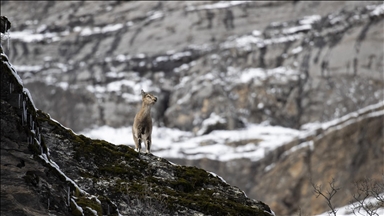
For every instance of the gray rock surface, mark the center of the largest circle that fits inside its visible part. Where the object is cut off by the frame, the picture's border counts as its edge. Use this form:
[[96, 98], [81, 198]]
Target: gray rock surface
[[80, 48]]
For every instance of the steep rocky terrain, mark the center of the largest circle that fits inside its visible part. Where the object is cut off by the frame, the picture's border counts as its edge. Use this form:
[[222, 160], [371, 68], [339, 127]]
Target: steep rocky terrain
[[348, 151], [285, 62], [280, 68], [47, 169]]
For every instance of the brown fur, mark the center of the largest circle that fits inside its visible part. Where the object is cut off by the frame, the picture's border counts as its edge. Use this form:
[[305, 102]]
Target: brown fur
[[142, 125]]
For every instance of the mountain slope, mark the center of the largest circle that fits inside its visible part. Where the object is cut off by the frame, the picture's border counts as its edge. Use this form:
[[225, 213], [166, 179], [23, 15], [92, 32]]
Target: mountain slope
[[48, 169], [348, 150], [283, 66]]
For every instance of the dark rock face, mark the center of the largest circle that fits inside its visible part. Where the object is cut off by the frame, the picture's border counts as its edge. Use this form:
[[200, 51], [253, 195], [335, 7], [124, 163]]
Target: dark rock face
[[5, 25], [48, 169], [27, 186]]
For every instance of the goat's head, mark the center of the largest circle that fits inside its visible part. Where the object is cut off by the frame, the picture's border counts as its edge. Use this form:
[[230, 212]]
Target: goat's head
[[148, 98]]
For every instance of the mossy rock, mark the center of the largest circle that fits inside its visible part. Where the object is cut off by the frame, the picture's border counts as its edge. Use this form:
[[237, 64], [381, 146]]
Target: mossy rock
[[74, 210], [92, 203], [131, 175]]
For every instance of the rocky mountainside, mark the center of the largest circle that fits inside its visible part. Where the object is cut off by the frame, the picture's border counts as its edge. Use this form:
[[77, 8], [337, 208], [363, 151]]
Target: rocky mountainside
[[256, 91], [347, 150], [47, 169], [288, 63]]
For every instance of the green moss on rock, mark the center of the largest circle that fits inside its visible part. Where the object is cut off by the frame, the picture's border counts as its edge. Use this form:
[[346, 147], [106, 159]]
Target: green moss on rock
[[85, 202]]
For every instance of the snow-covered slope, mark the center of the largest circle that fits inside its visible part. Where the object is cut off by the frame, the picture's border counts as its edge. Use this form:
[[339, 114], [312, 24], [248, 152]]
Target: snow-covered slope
[[353, 210], [252, 142], [270, 151]]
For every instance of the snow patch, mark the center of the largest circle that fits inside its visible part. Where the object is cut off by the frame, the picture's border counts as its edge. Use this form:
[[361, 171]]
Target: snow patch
[[29, 36], [77, 206], [212, 120], [346, 119], [154, 15], [183, 67], [378, 10], [10, 67], [296, 29], [347, 210], [269, 167], [174, 143], [87, 31], [218, 5], [63, 85], [162, 58], [26, 91], [215, 175], [122, 58], [28, 68], [297, 50], [261, 74], [111, 27], [309, 144], [308, 20], [94, 212], [179, 55], [256, 33], [260, 138]]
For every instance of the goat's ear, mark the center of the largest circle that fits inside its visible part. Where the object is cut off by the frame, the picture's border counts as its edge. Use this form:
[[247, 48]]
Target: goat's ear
[[142, 92]]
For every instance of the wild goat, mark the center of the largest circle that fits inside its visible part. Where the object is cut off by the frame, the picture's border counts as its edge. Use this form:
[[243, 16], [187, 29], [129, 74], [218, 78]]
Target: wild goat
[[142, 125]]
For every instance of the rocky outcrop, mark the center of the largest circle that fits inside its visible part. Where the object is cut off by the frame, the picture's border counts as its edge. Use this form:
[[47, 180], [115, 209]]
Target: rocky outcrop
[[48, 169]]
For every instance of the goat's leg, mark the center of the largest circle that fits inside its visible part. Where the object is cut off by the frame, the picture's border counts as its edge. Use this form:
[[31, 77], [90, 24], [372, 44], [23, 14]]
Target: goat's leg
[[137, 143], [148, 144]]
